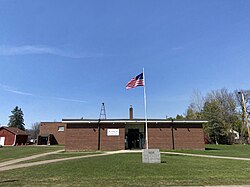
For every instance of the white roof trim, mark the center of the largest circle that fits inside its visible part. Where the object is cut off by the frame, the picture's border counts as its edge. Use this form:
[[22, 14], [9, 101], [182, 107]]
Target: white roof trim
[[131, 121]]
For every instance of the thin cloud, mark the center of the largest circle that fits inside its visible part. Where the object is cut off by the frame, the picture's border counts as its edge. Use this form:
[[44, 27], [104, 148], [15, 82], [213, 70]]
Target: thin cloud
[[18, 92], [26, 49], [9, 89], [36, 49], [71, 100], [3, 86]]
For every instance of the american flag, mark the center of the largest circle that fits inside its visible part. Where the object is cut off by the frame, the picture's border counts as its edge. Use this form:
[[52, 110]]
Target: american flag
[[136, 81]]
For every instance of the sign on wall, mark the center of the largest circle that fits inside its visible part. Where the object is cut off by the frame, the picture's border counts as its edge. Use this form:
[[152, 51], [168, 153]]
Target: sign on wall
[[112, 132]]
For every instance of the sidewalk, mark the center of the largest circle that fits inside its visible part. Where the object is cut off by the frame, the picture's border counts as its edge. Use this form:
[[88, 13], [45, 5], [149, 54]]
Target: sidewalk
[[2, 164], [207, 156]]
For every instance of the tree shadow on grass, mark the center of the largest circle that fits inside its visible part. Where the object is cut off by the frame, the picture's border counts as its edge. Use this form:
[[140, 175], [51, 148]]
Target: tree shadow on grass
[[171, 155], [211, 149], [8, 181]]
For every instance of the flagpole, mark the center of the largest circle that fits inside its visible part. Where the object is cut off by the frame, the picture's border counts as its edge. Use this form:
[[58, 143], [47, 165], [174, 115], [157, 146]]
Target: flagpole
[[145, 110]]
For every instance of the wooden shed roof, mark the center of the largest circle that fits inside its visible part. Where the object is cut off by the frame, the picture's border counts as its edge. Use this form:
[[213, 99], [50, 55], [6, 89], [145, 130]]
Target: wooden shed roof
[[15, 130]]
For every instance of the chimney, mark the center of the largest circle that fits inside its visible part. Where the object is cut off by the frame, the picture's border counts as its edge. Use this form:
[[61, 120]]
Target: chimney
[[131, 112]]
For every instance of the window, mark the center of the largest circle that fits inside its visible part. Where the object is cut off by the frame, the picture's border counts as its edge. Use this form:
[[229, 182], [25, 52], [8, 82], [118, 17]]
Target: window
[[61, 128]]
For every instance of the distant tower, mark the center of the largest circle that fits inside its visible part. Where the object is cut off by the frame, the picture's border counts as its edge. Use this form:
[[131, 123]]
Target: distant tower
[[103, 112]]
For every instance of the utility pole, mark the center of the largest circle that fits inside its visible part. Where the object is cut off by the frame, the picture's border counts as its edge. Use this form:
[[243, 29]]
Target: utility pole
[[245, 115]]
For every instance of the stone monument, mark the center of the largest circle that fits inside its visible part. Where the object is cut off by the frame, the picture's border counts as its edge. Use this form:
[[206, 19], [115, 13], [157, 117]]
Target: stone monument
[[151, 156]]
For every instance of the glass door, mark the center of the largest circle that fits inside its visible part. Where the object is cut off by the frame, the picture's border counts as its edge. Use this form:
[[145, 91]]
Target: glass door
[[134, 139]]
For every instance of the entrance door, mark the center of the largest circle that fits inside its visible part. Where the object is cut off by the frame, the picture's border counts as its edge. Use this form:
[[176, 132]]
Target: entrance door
[[44, 140], [2, 139], [133, 139]]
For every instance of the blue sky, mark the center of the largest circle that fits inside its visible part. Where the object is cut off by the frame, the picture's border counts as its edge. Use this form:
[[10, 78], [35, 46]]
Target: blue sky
[[62, 59]]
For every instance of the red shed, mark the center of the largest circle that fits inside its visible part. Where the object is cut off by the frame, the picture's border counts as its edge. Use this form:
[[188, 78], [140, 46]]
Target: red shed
[[12, 136]]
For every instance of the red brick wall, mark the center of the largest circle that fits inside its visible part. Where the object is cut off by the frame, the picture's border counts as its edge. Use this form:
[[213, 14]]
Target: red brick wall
[[189, 137], [85, 136], [186, 136], [81, 137], [9, 137], [47, 128], [112, 142], [159, 137]]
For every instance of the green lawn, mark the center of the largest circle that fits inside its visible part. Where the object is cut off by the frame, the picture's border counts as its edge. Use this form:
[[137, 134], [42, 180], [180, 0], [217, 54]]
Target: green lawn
[[61, 155], [14, 152], [222, 150], [128, 170]]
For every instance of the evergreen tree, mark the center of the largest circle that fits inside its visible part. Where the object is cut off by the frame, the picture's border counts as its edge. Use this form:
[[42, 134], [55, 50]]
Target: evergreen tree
[[16, 119]]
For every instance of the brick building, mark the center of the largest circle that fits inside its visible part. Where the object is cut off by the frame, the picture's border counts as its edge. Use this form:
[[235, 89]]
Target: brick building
[[118, 134], [51, 133], [12, 136]]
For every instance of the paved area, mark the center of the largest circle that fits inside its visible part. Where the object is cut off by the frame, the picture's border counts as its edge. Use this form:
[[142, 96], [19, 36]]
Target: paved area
[[207, 156], [2, 164]]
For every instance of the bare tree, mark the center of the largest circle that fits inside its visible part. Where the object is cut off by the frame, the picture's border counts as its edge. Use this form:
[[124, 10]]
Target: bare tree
[[197, 101], [195, 108], [34, 130]]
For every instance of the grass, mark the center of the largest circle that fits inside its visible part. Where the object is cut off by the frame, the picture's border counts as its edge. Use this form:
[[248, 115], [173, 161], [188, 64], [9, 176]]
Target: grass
[[9, 152], [128, 170], [222, 150], [61, 155]]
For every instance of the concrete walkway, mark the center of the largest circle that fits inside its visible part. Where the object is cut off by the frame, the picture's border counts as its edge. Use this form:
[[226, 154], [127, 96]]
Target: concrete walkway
[[12, 164], [2, 164], [207, 156]]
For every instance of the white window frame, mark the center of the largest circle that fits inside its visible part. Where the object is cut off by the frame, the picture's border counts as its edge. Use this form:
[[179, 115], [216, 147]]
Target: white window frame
[[61, 128]]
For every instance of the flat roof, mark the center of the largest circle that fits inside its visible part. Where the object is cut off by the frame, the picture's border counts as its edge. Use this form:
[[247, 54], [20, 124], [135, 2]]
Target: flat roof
[[131, 121]]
